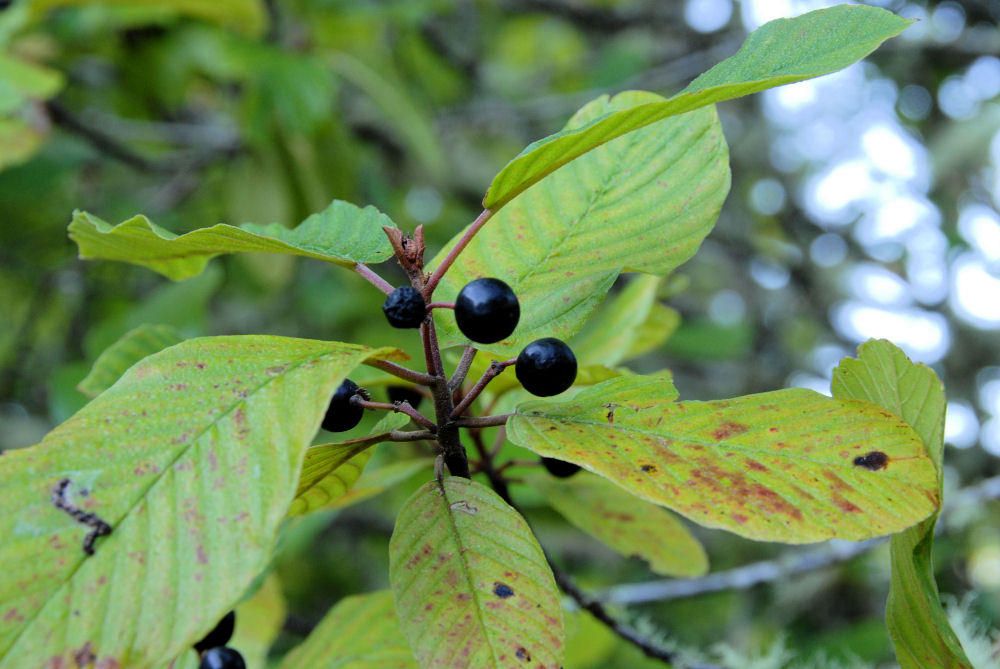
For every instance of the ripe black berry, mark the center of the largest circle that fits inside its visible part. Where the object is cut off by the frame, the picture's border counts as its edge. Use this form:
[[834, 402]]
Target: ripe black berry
[[405, 308], [222, 657], [486, 310], [560, 468], [219, 636], [546, 367], [404, 393], [341, 415]]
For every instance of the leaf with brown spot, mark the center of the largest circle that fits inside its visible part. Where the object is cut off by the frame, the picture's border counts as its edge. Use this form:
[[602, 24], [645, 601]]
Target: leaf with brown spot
[[775, 466], [917, 623], [192, 457], [472, 586], [625, 523]]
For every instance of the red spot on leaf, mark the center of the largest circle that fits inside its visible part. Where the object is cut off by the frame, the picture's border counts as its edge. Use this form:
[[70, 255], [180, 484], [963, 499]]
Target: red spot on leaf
[[728, 429], [202, 557], [756, 466], [740, 518]]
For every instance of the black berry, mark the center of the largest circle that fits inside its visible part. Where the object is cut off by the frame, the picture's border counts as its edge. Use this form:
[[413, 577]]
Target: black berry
[[546, 367], [222, 657], [560, 468], [486, 310], [404, 393], [341, 415], [219, 636], [405, 308]]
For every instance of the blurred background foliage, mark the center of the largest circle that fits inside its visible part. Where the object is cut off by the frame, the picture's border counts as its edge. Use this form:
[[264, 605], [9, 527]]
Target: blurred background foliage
[[864, 204]]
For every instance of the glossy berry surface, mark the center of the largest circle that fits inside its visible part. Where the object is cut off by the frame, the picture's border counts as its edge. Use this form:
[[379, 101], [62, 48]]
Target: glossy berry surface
[[222, 657], [487, 310], [405, 308], [341, 415], [404, 393], [560, 468], [219, 636], [546, 367]]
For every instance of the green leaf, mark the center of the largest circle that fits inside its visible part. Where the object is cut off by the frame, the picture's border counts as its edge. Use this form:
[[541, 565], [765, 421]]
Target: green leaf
[[360, 632], [776, 466], [341, 234], [246, 16], [610, 335], [780, 52], [659, 326], [471, 583], [640, 203], [135, 345], [330, 470], [21, 81], [917, 623], [625, 523], [192, 458]]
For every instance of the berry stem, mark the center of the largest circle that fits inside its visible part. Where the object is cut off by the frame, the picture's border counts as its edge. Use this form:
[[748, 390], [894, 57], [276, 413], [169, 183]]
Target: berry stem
[[398, 407], [482, 421], [458, 378], [402, 372], [447, 261], [411, 435], [373, 278], [492, 372], [441, 305]]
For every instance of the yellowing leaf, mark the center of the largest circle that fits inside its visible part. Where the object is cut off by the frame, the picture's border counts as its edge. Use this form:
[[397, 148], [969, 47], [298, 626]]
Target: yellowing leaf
[[375, 480], [192, 458], [917, 623], [779, 466], [472, 587], [625, 523], [330, 470], [360, 632]]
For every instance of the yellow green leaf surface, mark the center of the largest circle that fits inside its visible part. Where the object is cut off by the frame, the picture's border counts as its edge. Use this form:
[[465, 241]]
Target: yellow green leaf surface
[[780, 52], [642, 203], [917, 622], [776, 466], [192, 458], [625, 523], [375, 480], [471, 584], [360, 632], [131, 348], [329, 470], [342, 234]]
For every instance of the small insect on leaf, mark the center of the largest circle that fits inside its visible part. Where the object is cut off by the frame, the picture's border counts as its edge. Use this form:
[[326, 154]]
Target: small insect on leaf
[[874, 461]]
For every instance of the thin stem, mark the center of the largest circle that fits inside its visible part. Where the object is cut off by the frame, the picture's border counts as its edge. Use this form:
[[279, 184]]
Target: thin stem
[[458, 378], [432, 354], [441, 305], [518, 463], [486, 466], [482, 421], [410, 375], [374, 279], [498, 441], [412, 435], [446, 263], [491, 373], [398, 407]]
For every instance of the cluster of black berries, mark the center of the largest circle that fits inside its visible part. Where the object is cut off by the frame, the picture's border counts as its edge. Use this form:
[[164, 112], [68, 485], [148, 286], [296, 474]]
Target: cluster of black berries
[[214, 652], [486, 311]]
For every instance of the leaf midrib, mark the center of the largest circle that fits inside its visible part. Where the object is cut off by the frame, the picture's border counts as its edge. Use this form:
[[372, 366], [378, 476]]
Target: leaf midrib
[[155, 480]]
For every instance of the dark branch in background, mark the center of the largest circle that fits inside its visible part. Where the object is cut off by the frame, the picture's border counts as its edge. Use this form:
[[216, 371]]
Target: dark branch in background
[[103, 142]]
